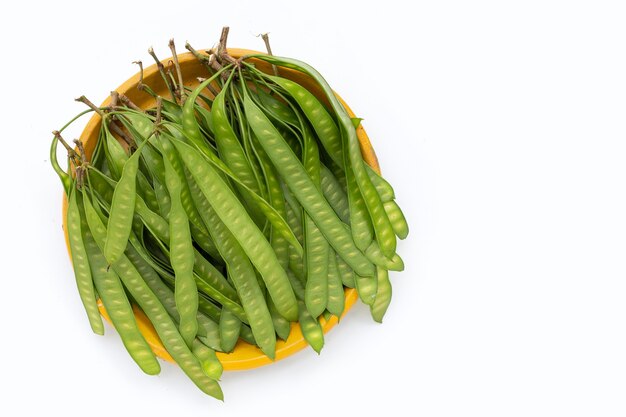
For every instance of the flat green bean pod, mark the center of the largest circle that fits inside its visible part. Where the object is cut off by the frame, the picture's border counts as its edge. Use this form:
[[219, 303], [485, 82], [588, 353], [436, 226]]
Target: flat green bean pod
[[382, 226], [317, 248], [276, 199], [160, 319], [170, 155], [114, 151], [383, 295], [281, 324], [182, 258], [118, 307], [311, 328], [80, 262], [383, 188], [277, 221], [346, 273], [212, 276], [188, 117], [211, 366], [366, 287], [360, 221], [336, 296], [228, 145], [301, 185], [241, 273], [237, 220], [335, 195], [65, 178], [204, 241], [230, 326], [324, 125], [122, 210], [396, 217], [374, 254]]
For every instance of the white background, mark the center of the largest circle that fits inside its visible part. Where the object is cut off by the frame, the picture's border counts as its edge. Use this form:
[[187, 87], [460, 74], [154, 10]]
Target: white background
[[502, 126]]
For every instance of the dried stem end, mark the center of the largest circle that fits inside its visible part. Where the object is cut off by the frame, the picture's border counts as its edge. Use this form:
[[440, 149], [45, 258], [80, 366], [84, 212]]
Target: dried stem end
[[266, 40]]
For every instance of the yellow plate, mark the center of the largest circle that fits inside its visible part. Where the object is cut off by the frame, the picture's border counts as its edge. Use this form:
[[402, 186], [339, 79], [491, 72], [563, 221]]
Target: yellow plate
[[245, 356]]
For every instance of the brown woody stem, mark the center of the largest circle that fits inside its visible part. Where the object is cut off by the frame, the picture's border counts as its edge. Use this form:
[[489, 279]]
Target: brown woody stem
[[81, 149], [81, 169], [89, 104], [115, 97], [162, 72], [128, 103], [202, 58], [158, 111], [140, 85], [70, 151], [208, 61], [80, 174], [266, 40], [112, 124], [170, 75], [179, 73], [221, 47]]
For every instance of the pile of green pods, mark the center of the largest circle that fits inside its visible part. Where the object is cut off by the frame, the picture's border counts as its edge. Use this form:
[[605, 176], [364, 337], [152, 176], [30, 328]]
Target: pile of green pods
[[226, 212]]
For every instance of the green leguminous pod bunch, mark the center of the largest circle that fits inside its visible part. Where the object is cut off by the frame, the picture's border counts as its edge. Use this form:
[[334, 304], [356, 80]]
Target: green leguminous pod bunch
[[226, 212]]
